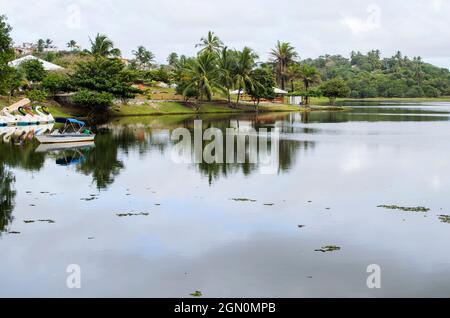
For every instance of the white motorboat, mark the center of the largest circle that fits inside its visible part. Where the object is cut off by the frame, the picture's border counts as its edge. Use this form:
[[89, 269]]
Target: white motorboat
[[73, 131]]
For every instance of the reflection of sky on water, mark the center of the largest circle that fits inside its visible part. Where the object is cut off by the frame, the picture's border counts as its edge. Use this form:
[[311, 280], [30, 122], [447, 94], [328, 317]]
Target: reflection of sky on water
[[199, 239]]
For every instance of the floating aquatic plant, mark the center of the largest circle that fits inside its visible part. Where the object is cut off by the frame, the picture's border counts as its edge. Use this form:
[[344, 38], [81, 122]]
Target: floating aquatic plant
[[243, 200], [132, 214], [405, 209], [444, 218], [197, 294], [330, 248]]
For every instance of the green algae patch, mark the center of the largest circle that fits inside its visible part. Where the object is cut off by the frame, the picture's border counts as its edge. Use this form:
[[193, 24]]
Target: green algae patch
[[444, 218], [197, 294], [243, 200], [329, 248], [121, 215], [419, 209]]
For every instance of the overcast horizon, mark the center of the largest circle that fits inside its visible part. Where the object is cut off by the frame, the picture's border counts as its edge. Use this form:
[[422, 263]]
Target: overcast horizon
[[416, 28]]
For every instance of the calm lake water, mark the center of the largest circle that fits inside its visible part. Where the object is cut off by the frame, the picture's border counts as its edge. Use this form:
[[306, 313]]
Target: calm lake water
[[188, 234]]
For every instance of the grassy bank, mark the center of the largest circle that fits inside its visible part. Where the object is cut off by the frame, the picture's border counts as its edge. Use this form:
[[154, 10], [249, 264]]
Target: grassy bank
[[179, 108], [217, 107]]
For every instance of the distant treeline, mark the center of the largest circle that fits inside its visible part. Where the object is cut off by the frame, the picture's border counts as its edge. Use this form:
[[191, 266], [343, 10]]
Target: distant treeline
[[369, 75]]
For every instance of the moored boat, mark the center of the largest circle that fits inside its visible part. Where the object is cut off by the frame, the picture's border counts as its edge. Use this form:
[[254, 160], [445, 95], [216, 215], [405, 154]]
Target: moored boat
[[74, 131]]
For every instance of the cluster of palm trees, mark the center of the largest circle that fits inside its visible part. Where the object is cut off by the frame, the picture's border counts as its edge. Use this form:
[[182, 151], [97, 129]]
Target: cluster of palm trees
[[218, 69]]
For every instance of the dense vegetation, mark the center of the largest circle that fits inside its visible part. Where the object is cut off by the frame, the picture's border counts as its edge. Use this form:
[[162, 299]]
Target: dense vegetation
[[99, 76]]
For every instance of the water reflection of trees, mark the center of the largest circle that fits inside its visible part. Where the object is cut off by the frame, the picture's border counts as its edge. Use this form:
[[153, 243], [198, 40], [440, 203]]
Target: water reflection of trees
[[21, 156], [7, 195]]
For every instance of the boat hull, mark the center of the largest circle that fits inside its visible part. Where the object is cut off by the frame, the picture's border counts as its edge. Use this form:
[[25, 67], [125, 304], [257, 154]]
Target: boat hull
[[69, 138]]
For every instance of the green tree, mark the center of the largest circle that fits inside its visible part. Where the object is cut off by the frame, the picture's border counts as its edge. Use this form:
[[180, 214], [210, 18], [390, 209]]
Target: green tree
[[102, 46], [98, 101], [227, 65], [309, 76], [282, 56], [202, 76], [37, 95], [173, 59], [143, 57], [105, 75], [40, 46], [72, 44], [55, 83], [335, 88], [33, 69], [6, 56], [48, 43], [246, 62], [263, 84], [210, 44]]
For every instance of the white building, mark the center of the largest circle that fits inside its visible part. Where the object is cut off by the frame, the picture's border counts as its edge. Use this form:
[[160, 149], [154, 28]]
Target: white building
[[47, 65]]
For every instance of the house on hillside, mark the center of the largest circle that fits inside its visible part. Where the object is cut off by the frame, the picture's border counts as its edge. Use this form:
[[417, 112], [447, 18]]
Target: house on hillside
[[47, 65]]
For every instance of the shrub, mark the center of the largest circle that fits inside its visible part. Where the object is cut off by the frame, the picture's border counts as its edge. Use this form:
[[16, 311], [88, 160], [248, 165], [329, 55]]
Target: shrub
[[93, 99], [37, 95], [56, 82], [33, 69]]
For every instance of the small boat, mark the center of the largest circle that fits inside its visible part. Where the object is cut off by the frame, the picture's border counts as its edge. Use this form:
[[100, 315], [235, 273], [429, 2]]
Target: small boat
[[20, 114], [44, 114], [73, 131]]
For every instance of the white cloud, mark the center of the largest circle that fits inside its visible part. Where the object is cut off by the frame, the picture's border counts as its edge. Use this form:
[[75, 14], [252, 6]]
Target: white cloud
[[321, 27], [370, 22]]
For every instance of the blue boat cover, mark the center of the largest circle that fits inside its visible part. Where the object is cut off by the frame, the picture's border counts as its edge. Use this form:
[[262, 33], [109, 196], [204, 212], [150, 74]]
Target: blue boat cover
[[70, 120]]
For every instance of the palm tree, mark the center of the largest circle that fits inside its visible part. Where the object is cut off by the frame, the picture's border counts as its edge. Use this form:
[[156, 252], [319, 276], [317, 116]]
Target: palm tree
[[48, 43], [72, 44], [226, 64], [102, 46], [243, 71], [173, 59], [210, 44], [282, 56], [309, 75], [40, 45], [144, 57], [202, 76]]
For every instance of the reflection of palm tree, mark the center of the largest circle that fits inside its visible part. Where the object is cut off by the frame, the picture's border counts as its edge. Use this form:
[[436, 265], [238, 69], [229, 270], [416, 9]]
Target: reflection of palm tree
[[7, 195], [102, 161]]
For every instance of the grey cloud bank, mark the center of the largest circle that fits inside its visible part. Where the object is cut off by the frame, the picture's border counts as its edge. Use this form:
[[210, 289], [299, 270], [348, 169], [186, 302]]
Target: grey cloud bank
[[415, 27]]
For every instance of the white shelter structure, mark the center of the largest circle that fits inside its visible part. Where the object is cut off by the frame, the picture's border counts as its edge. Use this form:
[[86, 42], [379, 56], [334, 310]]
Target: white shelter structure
[[47, 65], [275, 90]]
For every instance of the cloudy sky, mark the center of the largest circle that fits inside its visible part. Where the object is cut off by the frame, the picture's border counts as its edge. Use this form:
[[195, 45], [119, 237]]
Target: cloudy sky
[[416, 27]]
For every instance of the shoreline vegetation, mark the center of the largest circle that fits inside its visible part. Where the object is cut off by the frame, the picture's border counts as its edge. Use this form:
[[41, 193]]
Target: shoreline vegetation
[[164, 108], [218, 79]]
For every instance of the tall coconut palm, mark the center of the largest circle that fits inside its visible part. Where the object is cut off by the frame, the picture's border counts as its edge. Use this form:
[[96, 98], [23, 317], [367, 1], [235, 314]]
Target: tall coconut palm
[[202, 76], [102, 46], [226, 64], [210, 44], [246, 62], [282, 55], [144, 57]]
